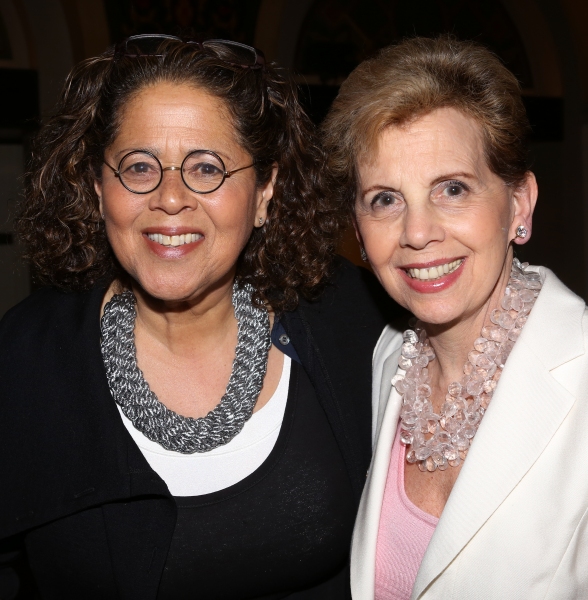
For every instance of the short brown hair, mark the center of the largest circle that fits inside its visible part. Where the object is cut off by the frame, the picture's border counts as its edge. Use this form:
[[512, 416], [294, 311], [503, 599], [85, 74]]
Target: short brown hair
[[60, 221], [417, 76]]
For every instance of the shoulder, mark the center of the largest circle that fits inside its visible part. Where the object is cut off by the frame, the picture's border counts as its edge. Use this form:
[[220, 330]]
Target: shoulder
[[349, 316], [390, 341], [47, 310], [45, 328], [353, 294]]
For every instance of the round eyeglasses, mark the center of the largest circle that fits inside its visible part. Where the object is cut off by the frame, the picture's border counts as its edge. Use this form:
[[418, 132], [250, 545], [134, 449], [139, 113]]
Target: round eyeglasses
[[203, 171]]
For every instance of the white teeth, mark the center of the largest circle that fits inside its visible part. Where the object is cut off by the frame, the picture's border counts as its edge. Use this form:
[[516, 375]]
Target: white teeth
[[435, 272], [174, 240]]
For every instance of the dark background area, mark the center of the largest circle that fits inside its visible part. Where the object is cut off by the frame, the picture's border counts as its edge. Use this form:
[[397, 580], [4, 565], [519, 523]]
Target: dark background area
[[321, 41]]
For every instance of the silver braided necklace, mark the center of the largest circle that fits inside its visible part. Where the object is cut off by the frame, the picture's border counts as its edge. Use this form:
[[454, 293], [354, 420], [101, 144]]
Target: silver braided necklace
[[436, 441], [152, 418]]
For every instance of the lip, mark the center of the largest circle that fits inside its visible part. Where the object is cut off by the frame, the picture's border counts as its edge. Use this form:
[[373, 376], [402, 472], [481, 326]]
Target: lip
[[171, 252], [436, 285]]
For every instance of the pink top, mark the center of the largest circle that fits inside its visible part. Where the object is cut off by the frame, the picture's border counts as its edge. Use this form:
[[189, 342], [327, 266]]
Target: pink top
[[403, 536]]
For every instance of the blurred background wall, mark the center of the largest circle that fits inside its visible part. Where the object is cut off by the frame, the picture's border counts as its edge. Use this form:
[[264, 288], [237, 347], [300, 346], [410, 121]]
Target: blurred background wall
[[542, 41]]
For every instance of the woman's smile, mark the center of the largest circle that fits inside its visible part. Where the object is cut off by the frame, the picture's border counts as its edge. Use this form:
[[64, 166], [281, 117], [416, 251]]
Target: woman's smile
[[172, 243], [174, 240], [172, 246], [434, 276]]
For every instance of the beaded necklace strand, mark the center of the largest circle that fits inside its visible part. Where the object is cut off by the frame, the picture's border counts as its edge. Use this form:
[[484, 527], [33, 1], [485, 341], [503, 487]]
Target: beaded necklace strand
[[437, 441]]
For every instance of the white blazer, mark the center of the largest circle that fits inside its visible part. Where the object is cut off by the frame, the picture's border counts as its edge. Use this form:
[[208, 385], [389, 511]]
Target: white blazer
[[516, 523]]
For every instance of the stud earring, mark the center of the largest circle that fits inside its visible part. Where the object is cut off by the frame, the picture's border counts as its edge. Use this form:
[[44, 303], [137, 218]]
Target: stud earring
[[521, 232], [363, 254], [261, 220]]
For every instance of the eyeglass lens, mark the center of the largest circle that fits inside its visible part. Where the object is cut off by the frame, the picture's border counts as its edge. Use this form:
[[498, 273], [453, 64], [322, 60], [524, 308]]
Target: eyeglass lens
[[146, 45], [202, 172], [231, 52]]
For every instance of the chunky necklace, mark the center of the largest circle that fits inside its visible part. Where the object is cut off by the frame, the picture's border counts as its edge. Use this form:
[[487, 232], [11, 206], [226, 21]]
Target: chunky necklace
[[139, 404], [436, 441]]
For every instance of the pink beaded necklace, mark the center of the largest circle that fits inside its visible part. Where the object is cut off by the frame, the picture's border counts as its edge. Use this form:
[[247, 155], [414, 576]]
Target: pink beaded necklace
[[438, 440]]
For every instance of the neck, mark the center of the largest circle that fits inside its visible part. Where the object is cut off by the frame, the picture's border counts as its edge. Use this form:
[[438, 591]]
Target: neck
[[453, 341], [187, 326]]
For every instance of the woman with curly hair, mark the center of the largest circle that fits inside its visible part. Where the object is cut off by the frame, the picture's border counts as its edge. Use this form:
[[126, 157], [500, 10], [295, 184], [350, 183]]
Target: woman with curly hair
[[184, 412]]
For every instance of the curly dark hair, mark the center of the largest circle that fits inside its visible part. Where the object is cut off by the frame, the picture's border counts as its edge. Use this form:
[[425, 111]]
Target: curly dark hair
[[59, 219]]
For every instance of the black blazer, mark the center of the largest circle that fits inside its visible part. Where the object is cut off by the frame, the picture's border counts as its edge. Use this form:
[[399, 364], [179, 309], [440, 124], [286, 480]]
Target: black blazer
[[93, 518]]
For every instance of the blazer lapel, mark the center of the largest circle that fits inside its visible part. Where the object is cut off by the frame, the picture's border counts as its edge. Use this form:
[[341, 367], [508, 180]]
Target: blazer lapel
[[365, 535], [527, 409]]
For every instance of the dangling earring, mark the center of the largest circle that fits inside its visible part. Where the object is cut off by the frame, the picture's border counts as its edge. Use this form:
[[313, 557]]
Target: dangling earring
[[521, 232], [363, 254]]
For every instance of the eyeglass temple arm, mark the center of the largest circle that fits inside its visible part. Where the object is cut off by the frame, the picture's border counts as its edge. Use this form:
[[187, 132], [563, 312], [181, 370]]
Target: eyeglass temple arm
[[229, 173], [115, 171]]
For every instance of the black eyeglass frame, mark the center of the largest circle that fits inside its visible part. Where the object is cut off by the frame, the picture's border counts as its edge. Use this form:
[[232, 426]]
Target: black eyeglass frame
[[121, 48], [226, 173]]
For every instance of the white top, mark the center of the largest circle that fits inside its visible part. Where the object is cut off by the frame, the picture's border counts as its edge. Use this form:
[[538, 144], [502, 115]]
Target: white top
[[206, 472]]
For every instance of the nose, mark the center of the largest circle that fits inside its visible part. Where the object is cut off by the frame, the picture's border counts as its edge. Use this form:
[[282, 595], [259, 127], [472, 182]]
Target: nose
[[172, 195], [421, 226]]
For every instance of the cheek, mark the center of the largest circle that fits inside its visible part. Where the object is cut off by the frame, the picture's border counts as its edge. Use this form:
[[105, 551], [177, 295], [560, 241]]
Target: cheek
[[380, 238], [120, 215], [233, 210], [484, 230]]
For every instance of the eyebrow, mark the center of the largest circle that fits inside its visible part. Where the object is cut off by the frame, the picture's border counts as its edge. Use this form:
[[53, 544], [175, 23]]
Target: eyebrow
[[124, 151], [438, 179], [156, 152], [457, 175]]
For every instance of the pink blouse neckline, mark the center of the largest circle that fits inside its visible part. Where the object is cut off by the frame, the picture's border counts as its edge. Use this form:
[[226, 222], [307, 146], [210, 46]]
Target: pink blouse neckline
[[403, 536]]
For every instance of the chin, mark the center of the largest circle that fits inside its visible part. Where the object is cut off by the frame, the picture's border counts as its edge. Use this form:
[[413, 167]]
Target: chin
[[437, 315], [167, 289]]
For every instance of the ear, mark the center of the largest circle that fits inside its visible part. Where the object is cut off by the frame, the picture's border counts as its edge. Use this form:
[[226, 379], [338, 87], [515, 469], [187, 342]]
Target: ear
[[264, 196], [98, 190], [524, 200]]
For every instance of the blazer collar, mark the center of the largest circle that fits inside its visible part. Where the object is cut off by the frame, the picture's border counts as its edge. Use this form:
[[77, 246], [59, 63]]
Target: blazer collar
[[383, 394], [526, 410]]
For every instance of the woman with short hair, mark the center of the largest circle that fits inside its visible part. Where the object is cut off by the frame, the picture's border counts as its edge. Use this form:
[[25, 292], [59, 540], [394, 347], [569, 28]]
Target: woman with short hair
[[185, 411], [477, 487]]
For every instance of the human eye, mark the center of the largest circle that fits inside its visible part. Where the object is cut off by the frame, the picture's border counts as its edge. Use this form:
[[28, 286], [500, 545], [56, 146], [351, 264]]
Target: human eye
[[205, 169], [140, 168], [453, 189], [384, 200]]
